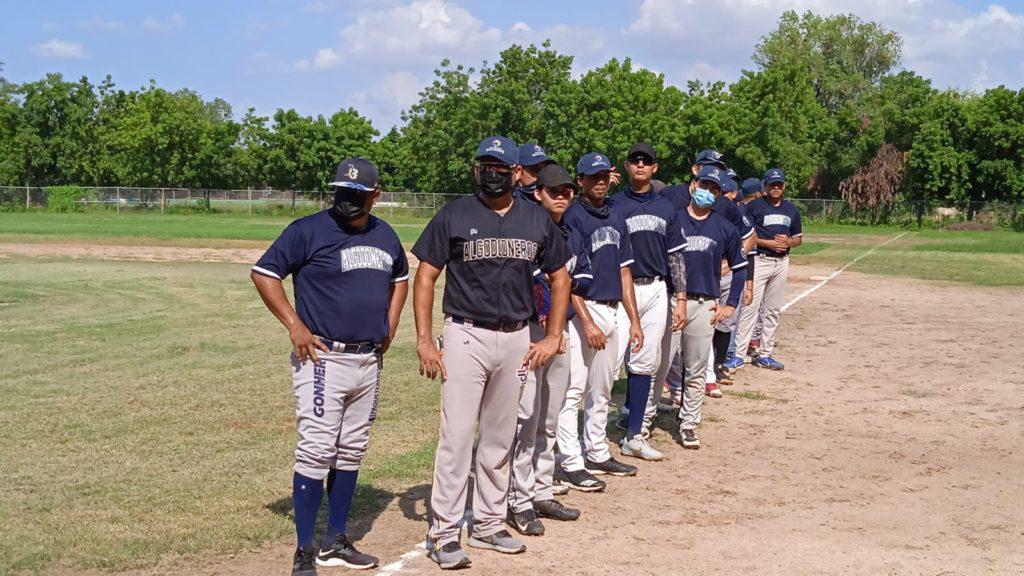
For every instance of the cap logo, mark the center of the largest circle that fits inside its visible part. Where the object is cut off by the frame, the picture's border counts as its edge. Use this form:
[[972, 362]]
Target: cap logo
[[496, 147], [715, 172], [352, 173], [538, 151]]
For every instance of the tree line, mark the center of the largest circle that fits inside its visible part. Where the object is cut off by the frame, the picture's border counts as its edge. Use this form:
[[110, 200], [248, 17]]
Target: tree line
[[826, 99]]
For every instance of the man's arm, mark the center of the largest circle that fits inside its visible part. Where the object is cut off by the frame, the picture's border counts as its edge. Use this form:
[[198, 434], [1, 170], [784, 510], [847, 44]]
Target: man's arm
[[396, 301], [272, 292], [677, 267], [431, 359], [541, 352], [595, 338], [636, 335]]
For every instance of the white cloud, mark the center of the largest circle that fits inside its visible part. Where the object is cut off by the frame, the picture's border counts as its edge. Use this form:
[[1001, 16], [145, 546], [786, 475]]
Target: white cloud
[[59, 50], [166, 25], [100, 23], [942, 40], [384, 101], [327, 58]]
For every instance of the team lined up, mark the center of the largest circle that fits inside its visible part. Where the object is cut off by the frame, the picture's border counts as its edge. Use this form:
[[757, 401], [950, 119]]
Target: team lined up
[[545, 300]]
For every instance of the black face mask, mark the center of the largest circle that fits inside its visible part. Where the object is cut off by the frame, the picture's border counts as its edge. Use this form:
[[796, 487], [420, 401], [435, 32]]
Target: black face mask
[[350, 204], [494, 184], [529, 187]]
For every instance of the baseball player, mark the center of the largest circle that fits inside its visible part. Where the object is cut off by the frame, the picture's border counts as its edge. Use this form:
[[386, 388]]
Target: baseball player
[[710, 238], [490, 244], [350, 275], [648, 217], [532, 494], [749, 191], [532, 159], [777, 222], [593, 332]]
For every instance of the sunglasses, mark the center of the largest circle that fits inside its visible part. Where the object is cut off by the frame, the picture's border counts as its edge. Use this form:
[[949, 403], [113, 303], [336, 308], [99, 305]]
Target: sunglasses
[[641, 159], [499, 168]]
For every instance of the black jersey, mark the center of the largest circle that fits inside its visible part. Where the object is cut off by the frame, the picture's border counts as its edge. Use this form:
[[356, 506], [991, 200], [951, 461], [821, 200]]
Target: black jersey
[[491, 258]]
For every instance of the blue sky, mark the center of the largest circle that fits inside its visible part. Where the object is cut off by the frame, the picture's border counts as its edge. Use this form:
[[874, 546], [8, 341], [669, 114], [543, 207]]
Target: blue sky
[[321, 55]]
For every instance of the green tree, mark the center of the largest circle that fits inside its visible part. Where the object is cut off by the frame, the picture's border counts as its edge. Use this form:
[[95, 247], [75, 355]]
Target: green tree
[[997, 127], [940, 160]]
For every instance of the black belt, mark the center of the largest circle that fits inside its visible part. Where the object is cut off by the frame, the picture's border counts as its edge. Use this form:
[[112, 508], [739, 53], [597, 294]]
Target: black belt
[[351, 347], [646, 280], [495, 326], [772, 254], [699, 297], [612, 303]]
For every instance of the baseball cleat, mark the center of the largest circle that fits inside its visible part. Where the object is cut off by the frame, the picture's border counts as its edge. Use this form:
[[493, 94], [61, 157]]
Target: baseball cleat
[[304, 563], [343, 553], [733, 364], [689, 439], [559, 488], [500, 541], [611, 466], [723, 376], [769, 363], [711, 389], [555, 510], [582, 480], [451, 556], [526, 522], [638, 447]]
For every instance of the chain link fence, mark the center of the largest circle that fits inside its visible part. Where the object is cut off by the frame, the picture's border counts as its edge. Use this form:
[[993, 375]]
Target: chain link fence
[[978, 215]]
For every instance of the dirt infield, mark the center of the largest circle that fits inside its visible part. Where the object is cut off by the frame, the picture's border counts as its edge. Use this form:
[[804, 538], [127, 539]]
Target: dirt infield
[[893, 443]]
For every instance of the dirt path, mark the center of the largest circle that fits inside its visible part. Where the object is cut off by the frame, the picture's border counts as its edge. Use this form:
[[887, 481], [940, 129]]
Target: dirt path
[[893, 443]]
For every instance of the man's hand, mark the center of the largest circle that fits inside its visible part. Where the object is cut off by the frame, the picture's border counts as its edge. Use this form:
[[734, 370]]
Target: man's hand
[[305, 343], [780, 243], [636, 337], [725, 267], [721, 313], [431, 360], [679, 315], [595, 338], [748, 295], [614, 178], [541, 352], [563, 345]]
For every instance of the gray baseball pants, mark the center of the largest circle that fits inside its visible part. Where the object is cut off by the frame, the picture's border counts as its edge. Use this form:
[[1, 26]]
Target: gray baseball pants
[[485, 379], [335, 405], [533, 456], [696, 346], [770, 275]]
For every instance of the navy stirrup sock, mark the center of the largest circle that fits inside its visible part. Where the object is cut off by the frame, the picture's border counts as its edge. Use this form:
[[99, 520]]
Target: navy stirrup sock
[[306, 494], [638, 389], [341, 488]]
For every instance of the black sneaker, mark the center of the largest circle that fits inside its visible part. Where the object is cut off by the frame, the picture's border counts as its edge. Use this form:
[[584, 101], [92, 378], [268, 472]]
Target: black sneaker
[[526, 522], [555, 510], [304, 563], [582, 480], [611, 466], [689, 439], [622, 423], [343, 553], [451, 556]]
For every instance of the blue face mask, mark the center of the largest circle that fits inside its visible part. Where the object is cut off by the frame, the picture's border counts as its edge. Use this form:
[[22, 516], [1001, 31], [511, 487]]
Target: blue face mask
[[703, 198]]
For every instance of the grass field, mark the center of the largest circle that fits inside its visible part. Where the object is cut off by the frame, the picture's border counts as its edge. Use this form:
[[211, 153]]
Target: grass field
[[146, 408]]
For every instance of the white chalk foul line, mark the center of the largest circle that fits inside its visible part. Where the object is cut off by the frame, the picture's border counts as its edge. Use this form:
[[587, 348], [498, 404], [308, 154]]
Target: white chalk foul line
[[831, 276], [396, 566]]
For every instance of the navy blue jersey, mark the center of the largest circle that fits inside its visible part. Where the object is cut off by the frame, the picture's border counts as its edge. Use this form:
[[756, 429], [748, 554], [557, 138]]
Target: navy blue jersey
[[708, 242], [770, 220], [342, 278], [526, 193], [579, 270], [746, 220], [490, 257], [679, 196], [607, 243], [648, 218]]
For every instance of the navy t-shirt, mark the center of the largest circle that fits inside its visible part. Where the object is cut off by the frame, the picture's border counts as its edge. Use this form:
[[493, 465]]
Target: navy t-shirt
[[607, 244], [708, 242], [342, 278], [770, 220], [679, 196], [648, 218], [490, 257], [746, 221]]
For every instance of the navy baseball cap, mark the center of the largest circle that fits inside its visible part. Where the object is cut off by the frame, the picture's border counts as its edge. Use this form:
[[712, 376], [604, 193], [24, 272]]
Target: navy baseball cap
[[642, 148], [553, 176], [732, 174], [710, 157], [357, 173], [592, 164], [751, 186], [711, 173], [728, 184], [774, 175], [532, 154], [499, 148]]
